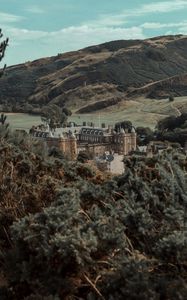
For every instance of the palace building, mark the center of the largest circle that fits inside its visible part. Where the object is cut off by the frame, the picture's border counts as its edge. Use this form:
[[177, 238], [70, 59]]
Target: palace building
[[97, 141]]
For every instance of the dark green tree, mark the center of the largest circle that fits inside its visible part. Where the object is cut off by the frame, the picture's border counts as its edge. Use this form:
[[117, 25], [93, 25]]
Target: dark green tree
[[3, 46], [3, 119], [123, 124], [54, 116], [67, 111], [172, 129], [145, 135], [82, 156], [171, 98]]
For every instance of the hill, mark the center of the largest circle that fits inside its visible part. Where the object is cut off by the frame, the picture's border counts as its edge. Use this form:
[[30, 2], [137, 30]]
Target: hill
[[99, 76]]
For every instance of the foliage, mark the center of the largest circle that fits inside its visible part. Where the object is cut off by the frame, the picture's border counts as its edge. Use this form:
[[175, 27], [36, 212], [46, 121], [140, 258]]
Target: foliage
[[144, 135], [66, 111], [171, 98], [124, 125], [3, 119], [173, 129], [123, 238], [30, 177], [172, 122], [3, 46], [66, 233], [84, 156], [54, 115]]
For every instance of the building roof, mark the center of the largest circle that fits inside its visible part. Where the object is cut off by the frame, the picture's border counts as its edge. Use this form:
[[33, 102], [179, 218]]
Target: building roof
[[91, 131]]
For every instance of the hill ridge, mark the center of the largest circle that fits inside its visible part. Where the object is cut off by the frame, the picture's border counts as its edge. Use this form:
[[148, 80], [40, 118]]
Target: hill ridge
[[105, 73]]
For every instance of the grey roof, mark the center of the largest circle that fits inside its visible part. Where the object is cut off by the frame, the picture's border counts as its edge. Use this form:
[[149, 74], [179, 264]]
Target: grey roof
[[91, 131]]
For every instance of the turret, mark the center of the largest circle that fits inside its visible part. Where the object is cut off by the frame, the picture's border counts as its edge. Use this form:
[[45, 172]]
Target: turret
[[133, 139], [122, 131], [62, 142], [73, 146]]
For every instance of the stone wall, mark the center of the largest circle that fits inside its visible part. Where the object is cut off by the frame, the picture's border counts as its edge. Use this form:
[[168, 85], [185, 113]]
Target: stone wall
[[121, 143], [96, 149], [67, 145]]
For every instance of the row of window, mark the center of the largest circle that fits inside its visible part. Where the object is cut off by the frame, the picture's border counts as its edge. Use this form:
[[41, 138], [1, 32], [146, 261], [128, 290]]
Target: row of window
[[91, 139], [91, 131], [40, 134]]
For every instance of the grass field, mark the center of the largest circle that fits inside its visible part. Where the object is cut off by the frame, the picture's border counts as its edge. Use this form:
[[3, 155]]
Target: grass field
[[141, 112]]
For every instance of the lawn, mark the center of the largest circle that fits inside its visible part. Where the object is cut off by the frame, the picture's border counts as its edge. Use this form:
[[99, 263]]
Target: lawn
[[140, 111]]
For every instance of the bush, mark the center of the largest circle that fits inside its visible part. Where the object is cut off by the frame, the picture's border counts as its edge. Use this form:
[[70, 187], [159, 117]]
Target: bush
[[124, 238], [63, 241], [83, 156], [171, 98]]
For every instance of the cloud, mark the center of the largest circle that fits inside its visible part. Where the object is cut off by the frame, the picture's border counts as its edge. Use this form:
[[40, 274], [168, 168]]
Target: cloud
[[35, 9], [18, 34], [163, 7], [108, 20], [183, 29], [9, 18], [74, 33], [27, 44], [142, 10], [152, 25]]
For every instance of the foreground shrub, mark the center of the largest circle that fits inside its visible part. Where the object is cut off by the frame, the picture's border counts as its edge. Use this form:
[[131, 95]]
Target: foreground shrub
[[55, 249], [121, 239]]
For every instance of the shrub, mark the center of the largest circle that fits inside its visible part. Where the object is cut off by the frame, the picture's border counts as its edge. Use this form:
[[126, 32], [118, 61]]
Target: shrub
[[123, 238], [171, 98]]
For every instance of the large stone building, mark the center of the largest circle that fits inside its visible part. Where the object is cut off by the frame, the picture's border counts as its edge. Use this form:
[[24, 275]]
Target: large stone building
[[92, 140]]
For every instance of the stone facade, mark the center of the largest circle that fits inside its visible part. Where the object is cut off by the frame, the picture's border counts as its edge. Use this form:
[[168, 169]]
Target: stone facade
[[98, 141], [93, 140], [68, 145]]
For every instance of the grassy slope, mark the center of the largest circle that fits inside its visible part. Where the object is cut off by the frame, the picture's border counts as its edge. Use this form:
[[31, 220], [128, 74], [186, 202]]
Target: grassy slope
[[141, 111]]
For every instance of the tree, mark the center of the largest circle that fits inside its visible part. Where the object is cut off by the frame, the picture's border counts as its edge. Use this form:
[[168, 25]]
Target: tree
[[84, 156], [171, 98], [168, 123], [145, 135], [67, 111], [3, 46], [3, 119], [124, 125], [171, 122], [54, 116], [172, 129]]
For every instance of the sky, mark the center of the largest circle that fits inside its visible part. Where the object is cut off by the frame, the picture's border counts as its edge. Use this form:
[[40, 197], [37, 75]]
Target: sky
[[47, 27]]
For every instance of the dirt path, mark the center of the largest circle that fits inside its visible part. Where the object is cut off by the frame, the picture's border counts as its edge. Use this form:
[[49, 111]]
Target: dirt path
[[178, 113]]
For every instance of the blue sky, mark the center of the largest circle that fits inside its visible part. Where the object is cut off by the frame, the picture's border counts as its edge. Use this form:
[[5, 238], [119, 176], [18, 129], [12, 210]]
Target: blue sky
[[48, 27]]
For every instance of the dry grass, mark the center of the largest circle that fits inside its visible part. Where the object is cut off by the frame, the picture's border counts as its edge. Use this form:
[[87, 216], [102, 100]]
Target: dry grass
[[140, 111]]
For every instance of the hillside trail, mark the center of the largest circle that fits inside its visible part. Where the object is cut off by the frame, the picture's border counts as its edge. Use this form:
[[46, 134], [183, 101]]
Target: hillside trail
[[178, 112]]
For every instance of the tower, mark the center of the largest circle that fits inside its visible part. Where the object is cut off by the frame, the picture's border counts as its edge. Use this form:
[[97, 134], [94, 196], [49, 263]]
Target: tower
[[123, 142], [73, 146], [127, 141], [62, 143], [133, 139]]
